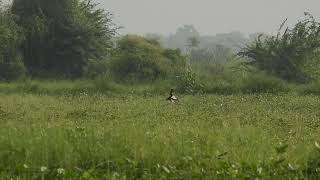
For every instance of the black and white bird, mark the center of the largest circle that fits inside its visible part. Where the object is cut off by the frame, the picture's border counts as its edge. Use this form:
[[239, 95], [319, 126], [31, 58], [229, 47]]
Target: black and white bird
[[172, 98]]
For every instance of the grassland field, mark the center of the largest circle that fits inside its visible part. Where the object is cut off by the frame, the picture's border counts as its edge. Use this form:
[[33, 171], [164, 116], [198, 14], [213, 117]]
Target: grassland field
[[141, 136]]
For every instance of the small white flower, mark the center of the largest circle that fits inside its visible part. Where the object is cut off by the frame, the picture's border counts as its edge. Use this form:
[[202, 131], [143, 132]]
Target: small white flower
[[43, 168], [25, 166], [260, 170], [60, 171]]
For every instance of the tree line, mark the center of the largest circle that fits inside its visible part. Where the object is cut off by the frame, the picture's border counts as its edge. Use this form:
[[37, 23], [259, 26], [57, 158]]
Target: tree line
[[75, 39], [72, 39], [53, 37]]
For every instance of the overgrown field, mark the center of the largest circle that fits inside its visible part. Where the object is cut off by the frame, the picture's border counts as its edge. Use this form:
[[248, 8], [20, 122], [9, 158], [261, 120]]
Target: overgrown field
[[143, 137]]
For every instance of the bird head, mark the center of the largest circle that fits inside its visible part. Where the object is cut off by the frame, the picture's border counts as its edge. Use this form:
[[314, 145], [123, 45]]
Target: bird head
[[171, 91]]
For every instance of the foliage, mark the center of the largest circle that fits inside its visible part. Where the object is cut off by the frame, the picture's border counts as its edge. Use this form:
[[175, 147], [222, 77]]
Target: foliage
[[177, 61], [11, 62], [311, 67], [262, 83], [96, 68], [139, 59], [62, 36], [310, 88], [284, 55], [188, 83]]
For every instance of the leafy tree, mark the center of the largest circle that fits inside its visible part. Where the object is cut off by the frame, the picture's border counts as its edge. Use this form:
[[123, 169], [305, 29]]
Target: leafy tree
[[11, 65], [139, 59], [62, 35], [177, 62], [285, 54]]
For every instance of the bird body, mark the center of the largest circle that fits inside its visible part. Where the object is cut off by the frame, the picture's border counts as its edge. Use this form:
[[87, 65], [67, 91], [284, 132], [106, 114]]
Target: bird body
[[172, 98]]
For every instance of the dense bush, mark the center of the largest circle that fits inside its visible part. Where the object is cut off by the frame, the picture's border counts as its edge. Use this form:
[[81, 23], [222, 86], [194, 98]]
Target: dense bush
[[11, 64], [188, 83], [310, 88], [96, 68], [261, 83], [139, 59], [12, 70], [285, 54], [62, 36]]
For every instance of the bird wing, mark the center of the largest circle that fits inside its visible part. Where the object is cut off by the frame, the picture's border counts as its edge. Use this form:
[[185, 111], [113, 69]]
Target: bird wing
[[174, 98]]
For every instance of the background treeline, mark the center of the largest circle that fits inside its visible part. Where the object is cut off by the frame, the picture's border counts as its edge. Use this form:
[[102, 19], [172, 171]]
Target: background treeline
[[74, 39]]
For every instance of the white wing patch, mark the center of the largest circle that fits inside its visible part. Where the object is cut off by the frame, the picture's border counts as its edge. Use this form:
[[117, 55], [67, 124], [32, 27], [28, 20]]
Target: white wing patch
[[174, 98]]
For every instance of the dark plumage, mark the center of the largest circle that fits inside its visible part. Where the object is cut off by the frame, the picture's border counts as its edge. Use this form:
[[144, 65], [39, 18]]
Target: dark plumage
[[172, 98]]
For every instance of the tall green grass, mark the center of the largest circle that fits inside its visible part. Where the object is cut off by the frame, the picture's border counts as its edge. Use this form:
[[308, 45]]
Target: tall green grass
[[96, 136], [227, 85]]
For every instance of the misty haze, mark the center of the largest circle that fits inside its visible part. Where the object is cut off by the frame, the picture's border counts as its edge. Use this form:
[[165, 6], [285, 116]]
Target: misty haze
[[208, 16], [166, 89]]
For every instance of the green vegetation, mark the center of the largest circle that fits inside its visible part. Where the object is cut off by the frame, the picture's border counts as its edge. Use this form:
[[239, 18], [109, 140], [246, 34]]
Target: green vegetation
[[138, 60], [284, 55], [78, 101], [11, 61], [60, 37], [141, 137]]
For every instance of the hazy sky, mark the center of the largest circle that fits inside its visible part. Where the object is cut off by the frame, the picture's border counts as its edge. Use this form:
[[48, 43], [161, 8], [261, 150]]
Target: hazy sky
[[208, 16]]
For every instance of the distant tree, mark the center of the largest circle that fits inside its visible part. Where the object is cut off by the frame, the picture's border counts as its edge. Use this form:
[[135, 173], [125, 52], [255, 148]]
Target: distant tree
[[61, 36], [155, 37], [193, 42], [285, 54], [183, 34], [216, 54], [233, 41]]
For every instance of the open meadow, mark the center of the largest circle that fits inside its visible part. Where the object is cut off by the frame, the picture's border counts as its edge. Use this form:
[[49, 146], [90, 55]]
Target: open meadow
[[103, 136]]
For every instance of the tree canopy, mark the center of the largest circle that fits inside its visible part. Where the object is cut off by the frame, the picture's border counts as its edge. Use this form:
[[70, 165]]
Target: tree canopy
[[141, 59], [61, 36], [285, 54]]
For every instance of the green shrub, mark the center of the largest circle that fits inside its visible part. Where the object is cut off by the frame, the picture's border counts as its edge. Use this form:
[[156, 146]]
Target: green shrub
[[261, 83], [12, 70], [220, 87], [11, 61], [104, 83], [137, 68], [96, 68], [139, 60], [176, 62], [28, 86], [188, 83], [285, 54], [61, 36], [311, 88]]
